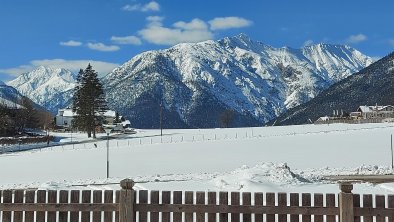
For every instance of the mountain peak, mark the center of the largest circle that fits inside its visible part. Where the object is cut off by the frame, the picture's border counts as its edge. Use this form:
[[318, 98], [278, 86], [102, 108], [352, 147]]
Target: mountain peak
[[46, 85]]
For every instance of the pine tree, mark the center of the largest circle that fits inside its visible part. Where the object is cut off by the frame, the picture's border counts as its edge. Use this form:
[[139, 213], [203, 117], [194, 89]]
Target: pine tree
[[117, 118], [89, 101]]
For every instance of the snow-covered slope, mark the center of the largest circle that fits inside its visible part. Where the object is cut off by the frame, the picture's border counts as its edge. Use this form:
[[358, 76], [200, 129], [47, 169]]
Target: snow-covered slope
[[198, 82], [48, 87], [9, 96]]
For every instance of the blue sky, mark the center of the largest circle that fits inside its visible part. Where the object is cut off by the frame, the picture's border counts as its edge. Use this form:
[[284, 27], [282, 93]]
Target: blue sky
[[70, 33]]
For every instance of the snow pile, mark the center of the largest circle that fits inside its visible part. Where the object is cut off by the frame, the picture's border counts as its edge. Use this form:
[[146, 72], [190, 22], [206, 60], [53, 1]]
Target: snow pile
[[264, 174]]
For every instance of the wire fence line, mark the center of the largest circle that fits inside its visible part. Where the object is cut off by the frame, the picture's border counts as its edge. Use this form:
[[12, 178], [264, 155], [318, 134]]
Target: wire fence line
[[143, 140], [246, 133]]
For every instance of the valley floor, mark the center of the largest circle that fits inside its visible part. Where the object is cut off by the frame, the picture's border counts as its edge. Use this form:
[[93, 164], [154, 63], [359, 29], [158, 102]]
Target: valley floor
[[265, 159]]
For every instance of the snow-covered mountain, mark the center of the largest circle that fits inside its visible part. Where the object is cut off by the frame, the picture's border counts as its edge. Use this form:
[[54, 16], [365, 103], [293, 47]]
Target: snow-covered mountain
[[373, 85], [9, 96], [48, 87], [198, 82]]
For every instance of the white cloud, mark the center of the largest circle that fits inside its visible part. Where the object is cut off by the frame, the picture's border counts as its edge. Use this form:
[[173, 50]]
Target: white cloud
[[102, 47], [126, 40], [194, 31], [356, 38], [151, 6], [154, 20], [101, 67], [195, 24], [229, 23], [71, 43], [307, 42]]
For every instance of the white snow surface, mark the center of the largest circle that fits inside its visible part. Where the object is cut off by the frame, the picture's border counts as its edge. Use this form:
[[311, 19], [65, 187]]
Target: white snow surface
[[265, 159]]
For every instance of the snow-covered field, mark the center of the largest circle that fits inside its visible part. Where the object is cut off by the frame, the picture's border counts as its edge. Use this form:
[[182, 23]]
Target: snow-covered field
[[265, 159]]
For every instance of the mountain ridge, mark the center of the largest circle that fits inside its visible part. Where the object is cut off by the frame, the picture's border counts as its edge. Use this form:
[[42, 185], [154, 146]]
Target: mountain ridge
[[51, 88], [255, 80], [370, 86], [196, 83]]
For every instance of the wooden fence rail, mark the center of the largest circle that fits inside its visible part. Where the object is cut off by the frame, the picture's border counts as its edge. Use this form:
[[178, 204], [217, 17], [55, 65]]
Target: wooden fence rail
[[128, 205]]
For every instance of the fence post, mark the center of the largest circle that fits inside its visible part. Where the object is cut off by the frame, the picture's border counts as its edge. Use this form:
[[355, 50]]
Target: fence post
[[126, 201], [346, 208]]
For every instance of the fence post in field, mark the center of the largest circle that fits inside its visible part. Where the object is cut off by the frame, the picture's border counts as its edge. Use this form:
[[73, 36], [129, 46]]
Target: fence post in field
[[126, 202], [346, 208]]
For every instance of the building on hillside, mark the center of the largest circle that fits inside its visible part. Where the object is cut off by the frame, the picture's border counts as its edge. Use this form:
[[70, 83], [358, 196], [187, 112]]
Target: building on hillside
[[373, 112], [364, 114], [65, 117]]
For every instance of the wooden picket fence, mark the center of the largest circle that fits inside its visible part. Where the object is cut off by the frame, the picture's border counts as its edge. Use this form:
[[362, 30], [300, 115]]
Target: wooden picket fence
[[128, 205]]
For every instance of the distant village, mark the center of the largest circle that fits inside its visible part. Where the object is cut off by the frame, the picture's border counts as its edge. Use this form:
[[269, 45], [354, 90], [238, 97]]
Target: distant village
[[364, 114]]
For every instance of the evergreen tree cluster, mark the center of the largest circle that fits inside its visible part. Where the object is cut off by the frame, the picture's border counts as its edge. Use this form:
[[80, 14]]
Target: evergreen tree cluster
[[89, 101]]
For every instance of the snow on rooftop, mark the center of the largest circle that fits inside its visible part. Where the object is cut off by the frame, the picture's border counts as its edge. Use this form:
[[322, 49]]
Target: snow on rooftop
[[69, 113], [110, 113]]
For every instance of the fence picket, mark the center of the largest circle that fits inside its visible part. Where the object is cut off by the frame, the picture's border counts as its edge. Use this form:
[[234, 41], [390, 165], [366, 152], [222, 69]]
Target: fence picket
[[235, 217], [29, 198], [391, 205], [294, 202], [189, 200], [330, 202], [270, 201], [246, 201], [282, 201], [356, 203], [86, 197], [306, 202], [154, 199], [211, 201], [74, 216], [318, 202], [200, 200], [165, 199], [18, 198], [41, 198], [108, 198], [143, 198], [7, 198], [223, 201], [97, 198], [367, 202], [117, 199], [380, 204], [52, 198], [63, 198], [258, 201]]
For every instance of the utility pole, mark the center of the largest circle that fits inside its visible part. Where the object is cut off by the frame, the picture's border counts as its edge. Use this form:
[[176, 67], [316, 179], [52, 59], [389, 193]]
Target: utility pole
[[161, 106], [392, 160], [161, 119]]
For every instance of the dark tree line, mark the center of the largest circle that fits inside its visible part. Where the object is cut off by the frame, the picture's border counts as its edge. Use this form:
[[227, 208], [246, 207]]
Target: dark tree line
[[22, 117]]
